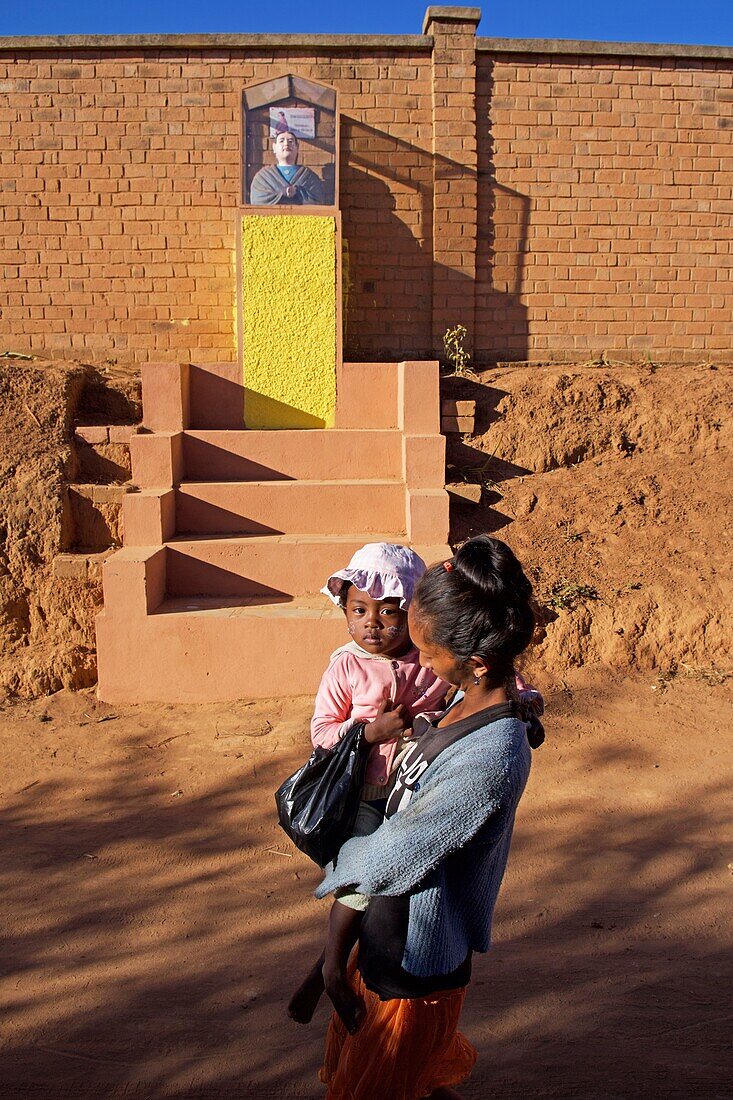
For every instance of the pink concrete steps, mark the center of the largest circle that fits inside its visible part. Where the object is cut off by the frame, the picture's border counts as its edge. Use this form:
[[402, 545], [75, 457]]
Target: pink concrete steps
[[269, 568], [214, 649], [286, 455], [280, 507], [233, 531]]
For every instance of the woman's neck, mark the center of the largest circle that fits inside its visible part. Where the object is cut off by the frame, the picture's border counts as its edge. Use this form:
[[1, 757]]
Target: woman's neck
[[476, 697]]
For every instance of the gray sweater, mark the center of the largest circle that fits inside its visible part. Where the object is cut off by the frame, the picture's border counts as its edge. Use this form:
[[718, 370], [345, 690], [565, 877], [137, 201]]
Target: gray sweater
[[447, 849]]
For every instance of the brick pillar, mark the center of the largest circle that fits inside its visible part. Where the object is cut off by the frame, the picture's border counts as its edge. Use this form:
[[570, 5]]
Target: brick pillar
[[453, 31]]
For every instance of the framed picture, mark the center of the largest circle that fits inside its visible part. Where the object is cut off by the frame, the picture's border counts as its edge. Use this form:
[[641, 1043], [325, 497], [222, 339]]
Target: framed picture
[[300, 121], [290, 145]]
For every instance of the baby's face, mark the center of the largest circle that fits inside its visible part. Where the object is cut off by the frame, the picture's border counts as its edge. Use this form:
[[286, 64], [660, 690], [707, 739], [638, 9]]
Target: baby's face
[[378, 626]]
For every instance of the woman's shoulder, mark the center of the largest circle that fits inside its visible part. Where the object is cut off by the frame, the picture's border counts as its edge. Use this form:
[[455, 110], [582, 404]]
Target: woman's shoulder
[[487, 750]]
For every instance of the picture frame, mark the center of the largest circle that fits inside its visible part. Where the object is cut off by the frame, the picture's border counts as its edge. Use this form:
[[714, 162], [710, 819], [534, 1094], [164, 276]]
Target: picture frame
[[309, 111]]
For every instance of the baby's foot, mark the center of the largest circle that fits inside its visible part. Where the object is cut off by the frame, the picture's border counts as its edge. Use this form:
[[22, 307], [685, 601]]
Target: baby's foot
[[303, 1002], [348, 1004]]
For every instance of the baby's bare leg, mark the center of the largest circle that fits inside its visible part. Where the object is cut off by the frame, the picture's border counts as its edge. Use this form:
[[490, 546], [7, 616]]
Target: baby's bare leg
[[343, 932], [303, 1002]]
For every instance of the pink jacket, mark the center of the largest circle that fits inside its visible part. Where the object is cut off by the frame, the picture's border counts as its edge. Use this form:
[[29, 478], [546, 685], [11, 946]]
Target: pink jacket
[[353, 687]]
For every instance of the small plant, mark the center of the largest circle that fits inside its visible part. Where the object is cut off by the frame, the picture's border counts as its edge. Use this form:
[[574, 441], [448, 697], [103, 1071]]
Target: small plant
[[709, 674], [568, 534], [566, 595], [665, 676], [455, 352]]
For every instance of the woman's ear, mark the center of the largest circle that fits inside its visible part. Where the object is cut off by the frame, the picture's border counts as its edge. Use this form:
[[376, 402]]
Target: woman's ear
[[478, 668]]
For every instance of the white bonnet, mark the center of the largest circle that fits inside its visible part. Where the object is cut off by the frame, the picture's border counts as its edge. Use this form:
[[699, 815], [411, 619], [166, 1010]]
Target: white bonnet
[[382, 570]]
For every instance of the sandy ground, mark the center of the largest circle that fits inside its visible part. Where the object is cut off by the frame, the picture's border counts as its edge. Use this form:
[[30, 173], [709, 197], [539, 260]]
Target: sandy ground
[[155, 919]]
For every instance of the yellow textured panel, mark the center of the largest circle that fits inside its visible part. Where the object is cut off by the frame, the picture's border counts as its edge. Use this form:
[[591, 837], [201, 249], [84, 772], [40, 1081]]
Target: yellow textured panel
[[289, 320]]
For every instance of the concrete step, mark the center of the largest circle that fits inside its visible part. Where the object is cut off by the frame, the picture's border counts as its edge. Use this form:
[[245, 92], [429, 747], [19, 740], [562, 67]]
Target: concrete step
[[270, 568], [82, 566], [216, 396], [206, 650], [281, 507], [284, 455]]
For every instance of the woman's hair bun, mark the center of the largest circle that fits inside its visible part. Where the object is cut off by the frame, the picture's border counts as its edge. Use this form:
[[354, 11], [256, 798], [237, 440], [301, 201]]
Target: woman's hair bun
[[492, 568], [480, 606]]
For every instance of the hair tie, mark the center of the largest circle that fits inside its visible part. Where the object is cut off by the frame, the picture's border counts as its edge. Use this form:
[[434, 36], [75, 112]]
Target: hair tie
[[448, 566]]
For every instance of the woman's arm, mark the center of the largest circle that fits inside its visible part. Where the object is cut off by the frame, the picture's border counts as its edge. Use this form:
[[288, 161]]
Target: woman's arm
[[460, 792]]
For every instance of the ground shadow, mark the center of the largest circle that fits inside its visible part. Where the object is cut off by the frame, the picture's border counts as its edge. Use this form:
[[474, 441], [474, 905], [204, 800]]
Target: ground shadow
[[154, 925]]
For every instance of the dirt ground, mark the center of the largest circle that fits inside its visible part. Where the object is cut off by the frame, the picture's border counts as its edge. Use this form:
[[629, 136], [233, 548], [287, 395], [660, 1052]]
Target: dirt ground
[[613, 486], [47, 626], [155, 918]]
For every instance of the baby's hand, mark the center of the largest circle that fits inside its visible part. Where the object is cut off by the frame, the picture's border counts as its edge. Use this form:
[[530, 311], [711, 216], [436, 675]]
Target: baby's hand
[[390, 722]]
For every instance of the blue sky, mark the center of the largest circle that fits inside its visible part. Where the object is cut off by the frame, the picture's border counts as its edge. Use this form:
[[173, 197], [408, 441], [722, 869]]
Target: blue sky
[[709, 22]]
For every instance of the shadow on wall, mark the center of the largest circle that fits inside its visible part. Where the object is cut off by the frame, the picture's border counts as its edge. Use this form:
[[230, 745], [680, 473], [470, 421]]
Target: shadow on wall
[[390, 303], [501, 247], [153, 935]]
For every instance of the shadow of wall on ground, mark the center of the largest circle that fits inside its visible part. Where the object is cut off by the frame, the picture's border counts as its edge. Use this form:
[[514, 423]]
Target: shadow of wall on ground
[[152, 937]]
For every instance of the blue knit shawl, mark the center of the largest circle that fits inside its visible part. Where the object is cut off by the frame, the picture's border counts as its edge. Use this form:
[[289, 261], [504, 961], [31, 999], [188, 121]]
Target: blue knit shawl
[[447, 848]]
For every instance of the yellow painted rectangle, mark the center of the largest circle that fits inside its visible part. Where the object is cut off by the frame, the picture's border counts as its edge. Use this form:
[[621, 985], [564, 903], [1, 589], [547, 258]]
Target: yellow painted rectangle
[[289, 319]]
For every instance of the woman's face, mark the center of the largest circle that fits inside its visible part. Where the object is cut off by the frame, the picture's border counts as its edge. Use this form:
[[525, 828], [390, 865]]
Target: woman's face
[[286, 148], [440, 661]]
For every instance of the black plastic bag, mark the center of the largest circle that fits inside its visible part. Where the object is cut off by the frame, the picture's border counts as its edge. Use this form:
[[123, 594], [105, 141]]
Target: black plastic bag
[[318, 804]]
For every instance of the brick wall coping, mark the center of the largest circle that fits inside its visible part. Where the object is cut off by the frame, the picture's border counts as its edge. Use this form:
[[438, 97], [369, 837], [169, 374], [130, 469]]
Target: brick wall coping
[[579, 47], [348, 42], [450, 15], [119, 42]]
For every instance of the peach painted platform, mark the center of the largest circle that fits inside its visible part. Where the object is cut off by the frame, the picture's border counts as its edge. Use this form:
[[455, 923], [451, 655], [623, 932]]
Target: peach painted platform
[[214, 595]]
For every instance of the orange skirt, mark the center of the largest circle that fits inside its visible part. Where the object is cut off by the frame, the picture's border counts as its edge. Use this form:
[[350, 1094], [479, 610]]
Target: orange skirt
[[403, 1050]]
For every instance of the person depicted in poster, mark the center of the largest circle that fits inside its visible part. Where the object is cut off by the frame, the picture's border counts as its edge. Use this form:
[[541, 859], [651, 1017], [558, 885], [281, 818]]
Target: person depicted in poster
[[286, 181]]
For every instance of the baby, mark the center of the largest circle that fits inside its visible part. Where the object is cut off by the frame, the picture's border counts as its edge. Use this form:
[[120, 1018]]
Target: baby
[[376, 679]]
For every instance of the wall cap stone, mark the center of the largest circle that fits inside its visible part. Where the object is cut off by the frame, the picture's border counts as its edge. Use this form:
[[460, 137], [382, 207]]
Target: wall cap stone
[[589, 48], [110, 43], [450, 15], [120, 42]]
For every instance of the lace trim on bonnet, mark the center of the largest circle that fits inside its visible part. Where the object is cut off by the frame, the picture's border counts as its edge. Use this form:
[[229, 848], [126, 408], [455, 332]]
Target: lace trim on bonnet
[[381, 569]]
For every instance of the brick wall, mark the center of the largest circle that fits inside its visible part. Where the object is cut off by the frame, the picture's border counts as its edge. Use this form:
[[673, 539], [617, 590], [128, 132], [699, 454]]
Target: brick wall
[[557, 205], [606, 188], [120, 180]]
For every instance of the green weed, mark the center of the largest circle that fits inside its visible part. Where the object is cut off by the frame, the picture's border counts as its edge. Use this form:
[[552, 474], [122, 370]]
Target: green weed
[[455, 352], [566, 595]]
